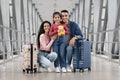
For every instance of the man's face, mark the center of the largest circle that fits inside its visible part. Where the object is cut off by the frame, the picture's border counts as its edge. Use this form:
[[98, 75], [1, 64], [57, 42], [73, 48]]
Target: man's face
[[65, 17]]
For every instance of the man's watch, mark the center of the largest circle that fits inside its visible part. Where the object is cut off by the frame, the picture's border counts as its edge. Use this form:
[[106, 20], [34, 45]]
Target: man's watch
[[79, 37]]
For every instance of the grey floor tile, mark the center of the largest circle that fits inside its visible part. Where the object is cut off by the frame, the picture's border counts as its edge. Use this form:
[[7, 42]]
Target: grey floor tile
[[101, 70]]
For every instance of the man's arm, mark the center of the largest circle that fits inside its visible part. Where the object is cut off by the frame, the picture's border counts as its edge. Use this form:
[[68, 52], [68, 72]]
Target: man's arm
[[77, 34], [72, 41]]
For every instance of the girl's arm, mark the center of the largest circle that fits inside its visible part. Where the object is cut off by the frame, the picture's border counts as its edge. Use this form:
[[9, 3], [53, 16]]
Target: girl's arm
[[52, 31]]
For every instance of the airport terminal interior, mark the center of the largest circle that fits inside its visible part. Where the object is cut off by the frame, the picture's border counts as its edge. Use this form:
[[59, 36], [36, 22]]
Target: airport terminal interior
[[99, 21]]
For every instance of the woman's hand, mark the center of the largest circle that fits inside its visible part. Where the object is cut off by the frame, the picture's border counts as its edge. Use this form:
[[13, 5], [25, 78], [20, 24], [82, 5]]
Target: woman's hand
[[54, 37]]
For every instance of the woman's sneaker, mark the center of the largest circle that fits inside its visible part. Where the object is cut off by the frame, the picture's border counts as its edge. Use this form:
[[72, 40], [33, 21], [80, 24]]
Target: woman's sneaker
[[64, 69], [49, 70], [57, 69]]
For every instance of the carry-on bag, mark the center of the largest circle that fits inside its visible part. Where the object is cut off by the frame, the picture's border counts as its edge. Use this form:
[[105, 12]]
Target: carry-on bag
[[29, 58], [82, 55]]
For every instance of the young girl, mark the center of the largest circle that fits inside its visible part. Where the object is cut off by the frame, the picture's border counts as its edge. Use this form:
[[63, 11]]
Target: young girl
[[44, 43], [60, 43]]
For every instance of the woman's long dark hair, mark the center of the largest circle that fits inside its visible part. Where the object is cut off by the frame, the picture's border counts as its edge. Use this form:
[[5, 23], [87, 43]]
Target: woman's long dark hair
[[41, 31]]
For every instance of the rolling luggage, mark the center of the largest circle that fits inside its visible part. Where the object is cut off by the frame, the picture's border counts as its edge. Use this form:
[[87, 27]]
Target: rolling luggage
[[82, 55], [29, 58]]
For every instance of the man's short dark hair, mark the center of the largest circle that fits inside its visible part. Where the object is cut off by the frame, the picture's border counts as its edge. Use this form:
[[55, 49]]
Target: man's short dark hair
[[65, 11]]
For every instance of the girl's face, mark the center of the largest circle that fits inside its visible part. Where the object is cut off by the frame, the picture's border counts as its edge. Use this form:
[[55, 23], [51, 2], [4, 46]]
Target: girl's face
[[56, 18], [46, 27]]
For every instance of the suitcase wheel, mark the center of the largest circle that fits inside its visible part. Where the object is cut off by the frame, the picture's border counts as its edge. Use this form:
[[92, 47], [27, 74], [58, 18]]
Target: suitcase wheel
[[81, 70], [74, 70], [23, 70], [89, 69], [27, 70], [31, 71], [35, 70]]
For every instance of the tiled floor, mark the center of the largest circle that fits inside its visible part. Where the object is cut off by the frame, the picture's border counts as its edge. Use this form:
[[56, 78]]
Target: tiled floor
[[101, 70]]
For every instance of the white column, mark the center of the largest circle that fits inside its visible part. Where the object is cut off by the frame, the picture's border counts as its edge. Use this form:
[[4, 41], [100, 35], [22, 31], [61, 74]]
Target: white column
[[112, 16], [34, 23], [38, 21], [73, 15], [18, 20], [76, 12], [96, 20], [5, 17], [26, 19], [81, 12], [87, 9], [30, 19]]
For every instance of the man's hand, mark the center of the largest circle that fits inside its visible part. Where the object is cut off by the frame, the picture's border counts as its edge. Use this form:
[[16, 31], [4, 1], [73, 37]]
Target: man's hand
[[72, 41]]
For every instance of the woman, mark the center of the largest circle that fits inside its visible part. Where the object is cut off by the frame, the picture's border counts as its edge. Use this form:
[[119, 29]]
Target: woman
[[44, 43]]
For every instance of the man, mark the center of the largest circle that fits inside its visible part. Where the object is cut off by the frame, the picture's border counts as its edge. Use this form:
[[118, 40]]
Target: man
[[75, 32]]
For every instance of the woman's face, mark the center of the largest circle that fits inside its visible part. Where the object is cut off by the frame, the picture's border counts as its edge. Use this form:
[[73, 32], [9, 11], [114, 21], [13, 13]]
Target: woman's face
[[46, 27]]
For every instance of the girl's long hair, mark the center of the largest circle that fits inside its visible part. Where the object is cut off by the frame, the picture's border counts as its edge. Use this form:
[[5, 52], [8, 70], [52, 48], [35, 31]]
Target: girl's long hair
[[41, 31]]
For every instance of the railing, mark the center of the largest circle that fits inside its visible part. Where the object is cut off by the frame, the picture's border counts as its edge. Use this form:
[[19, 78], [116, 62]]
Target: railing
[[109, 49], [10, 46]]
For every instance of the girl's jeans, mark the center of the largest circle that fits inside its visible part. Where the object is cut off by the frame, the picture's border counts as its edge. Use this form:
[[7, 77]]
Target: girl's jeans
[[59, 47]]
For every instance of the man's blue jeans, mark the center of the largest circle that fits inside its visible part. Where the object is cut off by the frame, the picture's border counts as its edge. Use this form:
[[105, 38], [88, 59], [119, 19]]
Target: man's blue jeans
[[69, 53]]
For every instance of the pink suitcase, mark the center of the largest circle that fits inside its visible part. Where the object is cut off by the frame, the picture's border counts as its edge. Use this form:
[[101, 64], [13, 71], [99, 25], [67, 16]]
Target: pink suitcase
[[29, 58]]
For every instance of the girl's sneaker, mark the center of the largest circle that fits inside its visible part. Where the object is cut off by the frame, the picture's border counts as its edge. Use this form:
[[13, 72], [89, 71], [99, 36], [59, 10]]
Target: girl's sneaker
[[64, 69], [57, 69]]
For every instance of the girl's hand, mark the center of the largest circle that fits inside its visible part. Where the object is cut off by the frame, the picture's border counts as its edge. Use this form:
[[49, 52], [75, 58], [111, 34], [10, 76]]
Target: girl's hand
[[54, 37]]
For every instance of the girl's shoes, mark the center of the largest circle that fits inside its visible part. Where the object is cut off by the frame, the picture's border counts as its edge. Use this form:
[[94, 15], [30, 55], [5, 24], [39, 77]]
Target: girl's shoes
[[57, 69]]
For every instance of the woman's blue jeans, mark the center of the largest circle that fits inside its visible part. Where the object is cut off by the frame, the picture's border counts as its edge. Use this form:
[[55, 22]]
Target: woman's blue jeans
[[45, 59]]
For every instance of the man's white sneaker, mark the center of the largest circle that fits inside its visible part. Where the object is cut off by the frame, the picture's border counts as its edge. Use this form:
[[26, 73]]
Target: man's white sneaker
[[57, 69], [64, 69]]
